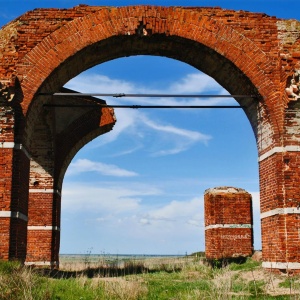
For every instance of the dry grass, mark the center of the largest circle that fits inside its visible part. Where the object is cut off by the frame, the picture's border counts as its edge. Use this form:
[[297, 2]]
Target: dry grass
[[19, 284], [224, 283], [182, 278], [78, 264], [120, 288]]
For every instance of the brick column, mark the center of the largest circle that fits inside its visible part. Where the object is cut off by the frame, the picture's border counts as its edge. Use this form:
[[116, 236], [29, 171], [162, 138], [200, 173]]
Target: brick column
[[280, 209], [20, 181], [43, 228], [279, 169], [228, 223], [43, 219], [6, 166], [14, 170]]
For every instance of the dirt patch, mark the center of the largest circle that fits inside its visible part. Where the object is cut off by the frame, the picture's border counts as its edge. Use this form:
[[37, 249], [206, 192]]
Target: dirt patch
[[272, 282]]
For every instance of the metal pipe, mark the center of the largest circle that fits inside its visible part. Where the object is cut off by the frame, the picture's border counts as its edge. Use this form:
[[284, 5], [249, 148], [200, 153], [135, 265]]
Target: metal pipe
[[143, 106], [146, 95]]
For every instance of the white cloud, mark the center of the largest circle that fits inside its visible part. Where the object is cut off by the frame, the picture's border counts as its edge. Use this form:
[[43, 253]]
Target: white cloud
[[256, 201], [173, 140], [119, 198], [85, 165], [106, 198], [95, 83], [144, 221], [195, 83], [256, 219], [189, 134], [196, 223], [187, 212], [128, 151], [123, 210], [130, 122]]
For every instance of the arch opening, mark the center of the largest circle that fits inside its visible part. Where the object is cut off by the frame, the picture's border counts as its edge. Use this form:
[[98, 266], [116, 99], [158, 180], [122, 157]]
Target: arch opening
[[195, 54], [141, 135]]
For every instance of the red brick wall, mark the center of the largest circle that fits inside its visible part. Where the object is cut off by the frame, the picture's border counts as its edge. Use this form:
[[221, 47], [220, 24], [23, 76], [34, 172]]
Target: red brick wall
[[43, 228], [4, 238], [228, 223], [14, 166], [19, 203]]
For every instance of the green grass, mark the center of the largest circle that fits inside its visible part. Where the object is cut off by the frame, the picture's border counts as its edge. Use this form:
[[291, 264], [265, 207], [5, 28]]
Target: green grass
[[18, 282], [74, 289], [164, 285], [178, 280], [248, 265], [290, 283]]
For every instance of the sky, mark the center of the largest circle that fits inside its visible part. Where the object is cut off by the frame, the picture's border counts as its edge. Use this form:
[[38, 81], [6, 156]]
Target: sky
[[139, 188]]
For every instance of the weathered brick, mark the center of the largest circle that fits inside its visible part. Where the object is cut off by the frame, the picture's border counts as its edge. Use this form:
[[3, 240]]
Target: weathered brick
[[228, 223]]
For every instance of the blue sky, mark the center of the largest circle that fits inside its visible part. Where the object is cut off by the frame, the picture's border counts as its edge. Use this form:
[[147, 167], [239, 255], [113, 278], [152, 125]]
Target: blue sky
[[139, 189]]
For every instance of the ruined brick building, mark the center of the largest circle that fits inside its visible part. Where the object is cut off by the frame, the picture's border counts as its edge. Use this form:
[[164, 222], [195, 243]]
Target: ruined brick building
[[247, 53], [228, 223]]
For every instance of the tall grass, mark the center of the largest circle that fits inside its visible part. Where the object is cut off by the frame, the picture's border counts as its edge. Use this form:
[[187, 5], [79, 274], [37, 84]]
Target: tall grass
[[18, 282], [160, 279]]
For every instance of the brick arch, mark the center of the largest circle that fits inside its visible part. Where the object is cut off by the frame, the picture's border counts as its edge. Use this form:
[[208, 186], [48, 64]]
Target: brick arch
[[247, 53], [113, 32], [112, 27]]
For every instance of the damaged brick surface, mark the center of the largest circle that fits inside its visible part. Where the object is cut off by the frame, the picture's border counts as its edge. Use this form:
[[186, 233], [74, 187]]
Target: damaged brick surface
[[228, 223]]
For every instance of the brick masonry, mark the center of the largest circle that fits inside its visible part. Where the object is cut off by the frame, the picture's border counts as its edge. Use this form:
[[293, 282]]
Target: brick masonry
[[247, 53], [228, 223]]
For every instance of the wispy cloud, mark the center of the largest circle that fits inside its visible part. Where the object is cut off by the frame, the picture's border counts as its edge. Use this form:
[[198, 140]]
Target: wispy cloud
[[121, 201], [186, 212], [7, 17], [192, 135], [172, 139], [195, 83], [97, 83], [85, 165], [133, 123], [256, 201], [119, 210], [105, 198], [130, 150]]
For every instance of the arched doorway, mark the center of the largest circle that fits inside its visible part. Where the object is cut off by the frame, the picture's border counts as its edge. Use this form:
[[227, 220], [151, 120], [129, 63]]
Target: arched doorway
[[160, 162]]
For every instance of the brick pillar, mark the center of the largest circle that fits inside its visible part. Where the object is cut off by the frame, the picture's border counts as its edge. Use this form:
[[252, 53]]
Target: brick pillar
[[280, 209], [43, 235], [14, 170], [6, 164], [228, 223], [279, 170], [19, 204]]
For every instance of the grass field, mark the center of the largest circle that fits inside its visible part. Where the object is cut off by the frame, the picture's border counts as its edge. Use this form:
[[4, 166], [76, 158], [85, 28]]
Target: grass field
[[182, 278]]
